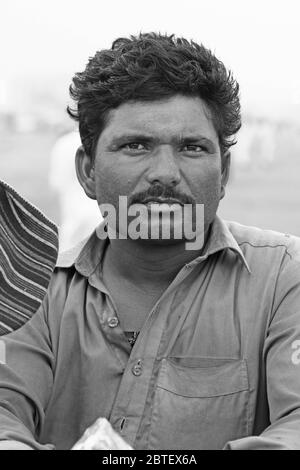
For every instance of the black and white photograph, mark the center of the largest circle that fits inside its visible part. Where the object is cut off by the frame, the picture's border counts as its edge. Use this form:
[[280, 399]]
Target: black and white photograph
[[149, 227]]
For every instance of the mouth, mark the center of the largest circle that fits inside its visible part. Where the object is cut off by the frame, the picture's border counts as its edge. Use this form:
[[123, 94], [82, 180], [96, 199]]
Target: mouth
[[170, 201]]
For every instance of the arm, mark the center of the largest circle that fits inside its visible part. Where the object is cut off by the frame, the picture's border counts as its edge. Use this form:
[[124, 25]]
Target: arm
[[281, 357], [26, 380]]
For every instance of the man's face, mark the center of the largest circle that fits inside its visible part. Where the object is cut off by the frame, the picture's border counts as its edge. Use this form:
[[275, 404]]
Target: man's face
[[166, 148]]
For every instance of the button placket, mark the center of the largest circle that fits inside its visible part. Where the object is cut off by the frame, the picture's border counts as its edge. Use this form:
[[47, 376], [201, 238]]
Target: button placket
[[134, 386], [112, 330]]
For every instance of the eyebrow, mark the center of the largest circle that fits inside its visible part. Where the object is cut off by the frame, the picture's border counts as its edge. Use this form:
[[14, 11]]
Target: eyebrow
[[197, 138], [120, 139]]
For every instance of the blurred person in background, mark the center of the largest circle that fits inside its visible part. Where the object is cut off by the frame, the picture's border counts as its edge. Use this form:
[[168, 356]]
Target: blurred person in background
[[79, 215], [162, 347]]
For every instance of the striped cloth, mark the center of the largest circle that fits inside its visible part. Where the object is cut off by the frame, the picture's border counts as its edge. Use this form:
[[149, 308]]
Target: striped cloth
[[28, 254]]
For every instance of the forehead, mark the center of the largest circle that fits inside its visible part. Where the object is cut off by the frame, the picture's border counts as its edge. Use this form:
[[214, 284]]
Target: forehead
[[179, 115]]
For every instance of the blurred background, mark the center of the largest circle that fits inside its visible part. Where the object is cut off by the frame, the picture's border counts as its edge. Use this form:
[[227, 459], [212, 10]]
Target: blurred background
[[43, 43]]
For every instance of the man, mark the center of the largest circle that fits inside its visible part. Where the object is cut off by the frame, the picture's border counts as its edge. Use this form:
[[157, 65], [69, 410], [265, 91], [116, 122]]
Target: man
[[176, 347], [78, 214]]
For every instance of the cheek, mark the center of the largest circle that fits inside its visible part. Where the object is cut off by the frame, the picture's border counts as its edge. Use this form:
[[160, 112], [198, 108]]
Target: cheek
[[206, 189], [206, 185], [111, 183]]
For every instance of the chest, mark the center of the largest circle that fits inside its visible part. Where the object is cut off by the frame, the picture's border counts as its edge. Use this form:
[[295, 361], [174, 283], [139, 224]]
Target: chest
[[132, 302]]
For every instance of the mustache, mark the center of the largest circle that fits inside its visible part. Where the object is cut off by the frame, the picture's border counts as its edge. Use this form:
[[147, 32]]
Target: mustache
[[161, 191]]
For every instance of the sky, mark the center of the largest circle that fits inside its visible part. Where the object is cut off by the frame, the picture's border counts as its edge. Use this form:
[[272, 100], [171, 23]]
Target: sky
[[259, 40]]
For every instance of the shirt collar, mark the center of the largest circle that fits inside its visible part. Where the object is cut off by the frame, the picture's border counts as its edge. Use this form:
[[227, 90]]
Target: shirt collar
[[220, 239], [87, 255]]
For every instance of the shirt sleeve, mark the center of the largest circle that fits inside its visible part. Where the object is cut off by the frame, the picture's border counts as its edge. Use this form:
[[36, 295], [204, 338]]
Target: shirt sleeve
[[26, 380], [14, 445], [281, 362]]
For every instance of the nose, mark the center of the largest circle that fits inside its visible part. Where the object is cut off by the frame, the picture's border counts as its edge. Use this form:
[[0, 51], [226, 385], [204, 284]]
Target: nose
[[164, 167]]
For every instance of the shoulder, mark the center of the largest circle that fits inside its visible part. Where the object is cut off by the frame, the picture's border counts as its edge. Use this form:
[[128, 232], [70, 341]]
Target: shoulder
[[254, 239], [61, 280], [274, 261]]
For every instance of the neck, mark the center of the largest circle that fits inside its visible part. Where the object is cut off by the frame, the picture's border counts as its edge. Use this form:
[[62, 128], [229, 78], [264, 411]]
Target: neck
[[144, 263]]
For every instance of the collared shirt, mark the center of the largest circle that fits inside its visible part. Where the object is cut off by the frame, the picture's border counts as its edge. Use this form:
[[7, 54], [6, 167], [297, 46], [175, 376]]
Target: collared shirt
[[216, 364]]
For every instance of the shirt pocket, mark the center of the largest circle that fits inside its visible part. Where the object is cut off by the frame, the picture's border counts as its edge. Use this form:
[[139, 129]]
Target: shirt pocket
[[199, 407]]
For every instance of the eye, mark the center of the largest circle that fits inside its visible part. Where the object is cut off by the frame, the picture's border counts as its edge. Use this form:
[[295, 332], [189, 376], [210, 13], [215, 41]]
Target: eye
[[193, 148], [134, 147]]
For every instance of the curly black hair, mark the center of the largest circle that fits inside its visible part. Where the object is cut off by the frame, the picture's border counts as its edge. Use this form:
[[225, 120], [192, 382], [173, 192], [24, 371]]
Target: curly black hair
[[150, 67]]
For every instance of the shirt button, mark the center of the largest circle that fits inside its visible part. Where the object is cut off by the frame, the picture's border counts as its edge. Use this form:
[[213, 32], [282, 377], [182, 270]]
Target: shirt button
[[137, 368], [113, 322]]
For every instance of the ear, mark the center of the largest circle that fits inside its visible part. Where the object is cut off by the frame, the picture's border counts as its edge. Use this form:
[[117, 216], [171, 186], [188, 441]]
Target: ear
[[85, 172], [225, 162]]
